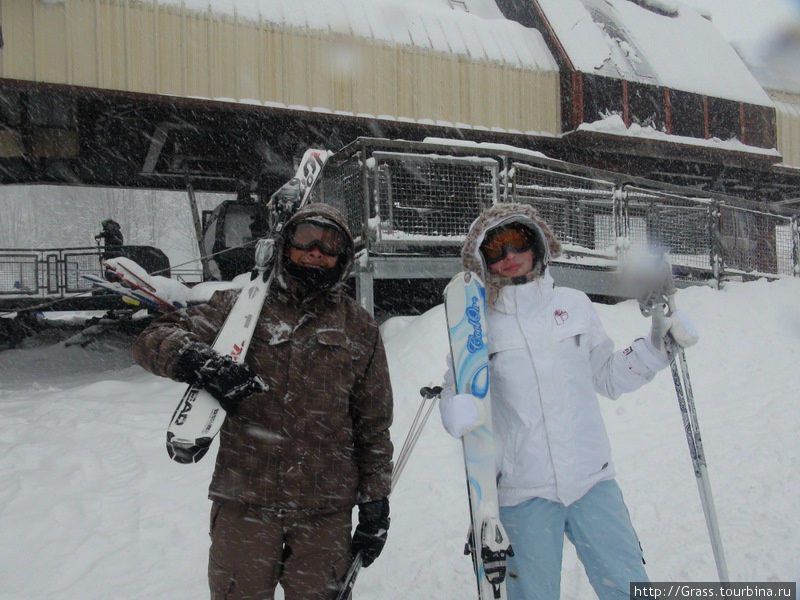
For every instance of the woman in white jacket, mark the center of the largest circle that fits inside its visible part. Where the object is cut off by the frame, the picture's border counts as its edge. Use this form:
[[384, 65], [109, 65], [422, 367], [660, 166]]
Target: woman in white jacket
[[549, 356]]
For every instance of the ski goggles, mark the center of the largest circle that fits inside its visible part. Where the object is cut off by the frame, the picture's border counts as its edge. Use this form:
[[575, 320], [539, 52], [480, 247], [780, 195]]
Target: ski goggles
[[500, 240], [329, 239]]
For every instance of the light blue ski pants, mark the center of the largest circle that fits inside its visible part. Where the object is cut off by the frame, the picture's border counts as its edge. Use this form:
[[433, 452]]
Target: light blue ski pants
[[599, 527]]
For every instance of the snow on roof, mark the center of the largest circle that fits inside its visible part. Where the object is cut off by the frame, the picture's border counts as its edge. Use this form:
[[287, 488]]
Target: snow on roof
[[660, 42], [473, 28], [614, 125]]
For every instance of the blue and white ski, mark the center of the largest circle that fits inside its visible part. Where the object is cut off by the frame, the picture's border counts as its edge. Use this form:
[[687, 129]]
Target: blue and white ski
[[198, 416], [465, 310]]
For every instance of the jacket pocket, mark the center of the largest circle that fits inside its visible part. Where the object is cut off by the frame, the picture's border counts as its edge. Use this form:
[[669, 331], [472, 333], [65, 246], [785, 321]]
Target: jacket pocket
[[333, 347], [573, 328], [570, 341], [216, 507], [506, 340], [328, 354]]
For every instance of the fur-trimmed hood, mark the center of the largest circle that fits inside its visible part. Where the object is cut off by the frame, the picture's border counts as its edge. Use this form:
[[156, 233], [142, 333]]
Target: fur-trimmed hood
[[503, 214]]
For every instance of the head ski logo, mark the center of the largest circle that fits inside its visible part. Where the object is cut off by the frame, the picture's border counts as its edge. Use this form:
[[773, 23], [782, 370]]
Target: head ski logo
[[184, 411], [473, 313], [237, 349], [561, 316]]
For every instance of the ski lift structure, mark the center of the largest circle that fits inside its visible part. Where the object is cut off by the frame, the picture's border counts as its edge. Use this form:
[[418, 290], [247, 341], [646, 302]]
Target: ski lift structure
[[410, 205]]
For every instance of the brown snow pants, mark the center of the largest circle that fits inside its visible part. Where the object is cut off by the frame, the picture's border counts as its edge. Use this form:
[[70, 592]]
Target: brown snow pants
[[254, 549]]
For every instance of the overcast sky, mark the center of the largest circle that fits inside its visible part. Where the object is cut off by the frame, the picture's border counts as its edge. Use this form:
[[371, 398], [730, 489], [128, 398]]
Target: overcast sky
[[748, 21]]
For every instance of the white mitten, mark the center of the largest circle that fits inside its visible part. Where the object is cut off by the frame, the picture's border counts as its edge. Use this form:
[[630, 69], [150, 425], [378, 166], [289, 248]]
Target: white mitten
[[659, 326], [461, 413], [683, 330], [678, 325]]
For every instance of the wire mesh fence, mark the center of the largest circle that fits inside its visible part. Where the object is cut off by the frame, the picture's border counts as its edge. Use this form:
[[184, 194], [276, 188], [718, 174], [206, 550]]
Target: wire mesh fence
[[18, 273], [418, 198], [54, 271], [751, 241], [433, 197], [678, 225], [413, 195], [342, 187], [580, 210]]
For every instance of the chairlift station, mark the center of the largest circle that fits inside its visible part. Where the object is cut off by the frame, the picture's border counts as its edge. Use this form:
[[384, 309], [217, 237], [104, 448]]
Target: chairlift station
[[603, 115]]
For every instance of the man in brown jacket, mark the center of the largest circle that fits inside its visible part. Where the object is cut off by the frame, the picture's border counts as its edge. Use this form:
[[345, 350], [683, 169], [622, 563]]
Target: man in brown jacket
[[307, 432]]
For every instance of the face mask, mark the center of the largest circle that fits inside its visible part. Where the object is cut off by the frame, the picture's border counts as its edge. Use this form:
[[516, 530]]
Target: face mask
[[311, 278]]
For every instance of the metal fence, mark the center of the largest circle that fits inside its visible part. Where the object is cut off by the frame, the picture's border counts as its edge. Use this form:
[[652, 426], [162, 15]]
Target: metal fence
[[430, 196], [47, 272], [580, 210], [416, 196]]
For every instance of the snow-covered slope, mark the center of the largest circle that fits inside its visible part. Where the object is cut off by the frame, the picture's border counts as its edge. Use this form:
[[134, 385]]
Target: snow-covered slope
[[91, 508]]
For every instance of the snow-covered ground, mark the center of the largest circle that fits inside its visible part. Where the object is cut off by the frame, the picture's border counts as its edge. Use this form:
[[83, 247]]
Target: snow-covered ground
[[91, 508]]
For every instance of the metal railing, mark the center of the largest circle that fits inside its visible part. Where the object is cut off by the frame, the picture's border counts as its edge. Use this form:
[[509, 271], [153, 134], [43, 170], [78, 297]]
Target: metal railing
[[47, 272], [434, 197], [580, 210], [421, 197], [418, 198]]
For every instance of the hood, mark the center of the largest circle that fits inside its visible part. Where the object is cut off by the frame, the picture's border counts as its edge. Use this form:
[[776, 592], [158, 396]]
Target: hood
[[501, 214], [319, 210]]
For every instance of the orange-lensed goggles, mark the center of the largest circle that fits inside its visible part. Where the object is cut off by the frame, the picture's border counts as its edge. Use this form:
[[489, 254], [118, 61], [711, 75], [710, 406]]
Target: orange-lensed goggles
[[499, 240], [328, 239]]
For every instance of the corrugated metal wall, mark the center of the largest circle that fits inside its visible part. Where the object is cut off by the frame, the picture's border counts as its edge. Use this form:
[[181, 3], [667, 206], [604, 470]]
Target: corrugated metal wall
[[787, 110], [144, 46]]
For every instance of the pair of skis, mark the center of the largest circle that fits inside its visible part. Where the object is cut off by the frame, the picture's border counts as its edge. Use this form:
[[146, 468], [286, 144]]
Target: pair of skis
[[488, 545], [198, 417], [134, 284]]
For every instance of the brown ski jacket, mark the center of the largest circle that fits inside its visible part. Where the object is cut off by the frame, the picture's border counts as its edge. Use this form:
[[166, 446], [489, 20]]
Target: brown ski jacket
[[318, 439]]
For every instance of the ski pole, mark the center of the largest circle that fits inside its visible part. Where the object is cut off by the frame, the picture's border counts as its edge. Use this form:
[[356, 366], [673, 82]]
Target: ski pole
[[429, 397], [661, 296], [415, 430], [683, 388]]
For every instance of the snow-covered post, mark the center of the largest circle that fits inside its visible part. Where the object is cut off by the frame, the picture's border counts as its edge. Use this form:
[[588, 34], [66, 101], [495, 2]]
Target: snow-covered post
[[796, 246], [717, 255], [621, 222], [198, 229], [507, 175], [364, 270]]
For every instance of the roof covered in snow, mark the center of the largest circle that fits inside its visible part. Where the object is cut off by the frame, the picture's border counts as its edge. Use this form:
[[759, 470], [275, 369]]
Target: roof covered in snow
[[472, 28], [659, 42]]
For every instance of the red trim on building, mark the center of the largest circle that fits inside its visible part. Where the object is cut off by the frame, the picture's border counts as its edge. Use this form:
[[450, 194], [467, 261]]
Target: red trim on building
[[553, 37], [577, 99], [667, 111], [742, 124], [626, 109]]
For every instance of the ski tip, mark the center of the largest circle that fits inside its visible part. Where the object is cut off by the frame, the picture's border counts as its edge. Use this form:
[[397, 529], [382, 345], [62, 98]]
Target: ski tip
[[465, 278], [186, 452]]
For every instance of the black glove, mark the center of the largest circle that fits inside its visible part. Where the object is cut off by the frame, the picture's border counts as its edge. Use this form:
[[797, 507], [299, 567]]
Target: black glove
[[228, 381], [373, 526]]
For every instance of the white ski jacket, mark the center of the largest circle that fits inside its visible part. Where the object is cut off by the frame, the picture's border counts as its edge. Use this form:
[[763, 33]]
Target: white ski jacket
[[549, 356]]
